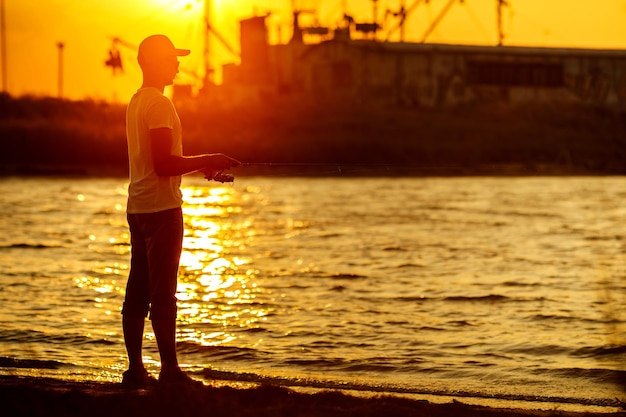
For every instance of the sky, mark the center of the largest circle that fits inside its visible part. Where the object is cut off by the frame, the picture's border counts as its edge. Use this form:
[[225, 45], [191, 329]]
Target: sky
[[34, 28]]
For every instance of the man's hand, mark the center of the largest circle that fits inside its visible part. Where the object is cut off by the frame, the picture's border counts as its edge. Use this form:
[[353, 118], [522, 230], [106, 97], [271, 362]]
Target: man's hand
[[209, 174], [220, 162]]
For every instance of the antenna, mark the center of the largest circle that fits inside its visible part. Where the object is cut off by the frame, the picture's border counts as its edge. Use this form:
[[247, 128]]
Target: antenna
[[208, 71]]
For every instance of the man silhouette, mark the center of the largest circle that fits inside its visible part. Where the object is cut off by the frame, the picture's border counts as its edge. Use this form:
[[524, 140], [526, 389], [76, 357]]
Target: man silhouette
[[154, 211]]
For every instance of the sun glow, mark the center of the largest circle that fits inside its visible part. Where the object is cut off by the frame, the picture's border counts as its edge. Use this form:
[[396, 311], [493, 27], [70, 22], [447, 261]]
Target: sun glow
[[86, 29], [179, 5]]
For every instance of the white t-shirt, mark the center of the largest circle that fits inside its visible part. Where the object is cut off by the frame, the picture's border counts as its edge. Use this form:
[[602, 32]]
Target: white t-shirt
[[147, 192]]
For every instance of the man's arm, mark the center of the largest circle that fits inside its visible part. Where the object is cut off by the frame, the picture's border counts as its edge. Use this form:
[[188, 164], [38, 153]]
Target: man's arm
[[166, 164]]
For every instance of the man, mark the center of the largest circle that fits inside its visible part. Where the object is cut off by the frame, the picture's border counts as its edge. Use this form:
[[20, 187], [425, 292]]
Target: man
[[154, 212]]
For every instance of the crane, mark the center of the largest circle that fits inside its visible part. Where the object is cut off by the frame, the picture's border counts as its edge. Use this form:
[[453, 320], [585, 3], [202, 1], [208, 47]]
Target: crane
[[438, 19], [209, 30], [115, 58], [403, 13]]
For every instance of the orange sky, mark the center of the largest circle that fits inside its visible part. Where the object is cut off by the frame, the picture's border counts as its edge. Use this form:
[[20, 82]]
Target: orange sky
[[34, 27]]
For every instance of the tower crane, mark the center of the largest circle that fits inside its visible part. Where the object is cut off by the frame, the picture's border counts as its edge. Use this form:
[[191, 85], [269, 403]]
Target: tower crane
[[403, 13], [114, 60], [438, 19]]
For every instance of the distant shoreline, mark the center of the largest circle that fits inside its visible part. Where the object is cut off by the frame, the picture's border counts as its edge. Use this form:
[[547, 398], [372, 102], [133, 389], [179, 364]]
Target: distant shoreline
[[55, 137], [337, 170]]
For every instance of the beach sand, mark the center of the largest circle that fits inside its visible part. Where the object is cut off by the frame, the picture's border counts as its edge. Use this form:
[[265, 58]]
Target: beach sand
[[28, 396]]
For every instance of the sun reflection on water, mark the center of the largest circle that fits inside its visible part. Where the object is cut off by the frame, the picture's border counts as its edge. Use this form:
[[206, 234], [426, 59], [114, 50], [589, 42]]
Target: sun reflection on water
[[217, 289]]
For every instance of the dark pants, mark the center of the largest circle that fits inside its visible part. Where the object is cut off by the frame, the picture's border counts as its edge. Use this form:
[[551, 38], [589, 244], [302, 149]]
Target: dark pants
[[156, 244]]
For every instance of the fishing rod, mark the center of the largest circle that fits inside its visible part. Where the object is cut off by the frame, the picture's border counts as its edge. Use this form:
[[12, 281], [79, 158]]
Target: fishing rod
[[221, 177], [298, 164], [406, 168], [339, 168], [335, 164], [347, 165]]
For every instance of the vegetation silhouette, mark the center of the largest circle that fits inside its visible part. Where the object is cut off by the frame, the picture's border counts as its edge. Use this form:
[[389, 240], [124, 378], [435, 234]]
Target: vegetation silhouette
[[49, 136]]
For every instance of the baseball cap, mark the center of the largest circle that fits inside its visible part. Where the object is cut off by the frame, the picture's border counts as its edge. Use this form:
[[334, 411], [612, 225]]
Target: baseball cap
[[159, 46]]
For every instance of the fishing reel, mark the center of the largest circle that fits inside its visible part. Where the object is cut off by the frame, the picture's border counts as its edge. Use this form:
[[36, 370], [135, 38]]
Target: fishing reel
[[224, 178], [219, 177]]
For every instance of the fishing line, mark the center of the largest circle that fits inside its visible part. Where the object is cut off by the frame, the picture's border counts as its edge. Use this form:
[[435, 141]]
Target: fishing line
[[294, 164], [344, 164], [363, 169], [343, 168], [319, 168]]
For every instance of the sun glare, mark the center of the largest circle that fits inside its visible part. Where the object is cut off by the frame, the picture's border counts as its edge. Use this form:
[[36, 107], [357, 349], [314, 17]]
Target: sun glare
[[217, 290], [179, 5]]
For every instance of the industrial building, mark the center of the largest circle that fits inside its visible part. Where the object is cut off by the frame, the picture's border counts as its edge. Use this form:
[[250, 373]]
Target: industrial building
[[418, 74]]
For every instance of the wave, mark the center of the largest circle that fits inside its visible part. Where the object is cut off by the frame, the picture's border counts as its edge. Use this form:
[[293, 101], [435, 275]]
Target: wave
[[600, 351], [409, 265], [604, 238], [538, 350], [395, 249], [6, 362], [218, 352], [330, 235], [347, 276], [601, 375], [572, 319], [333, 275], [33, 336], [462, 298], [213, 374], [30, 246], [521, 284], [490, 298]]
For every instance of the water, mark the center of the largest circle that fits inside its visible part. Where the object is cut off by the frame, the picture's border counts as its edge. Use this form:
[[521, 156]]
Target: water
[[486, 287]]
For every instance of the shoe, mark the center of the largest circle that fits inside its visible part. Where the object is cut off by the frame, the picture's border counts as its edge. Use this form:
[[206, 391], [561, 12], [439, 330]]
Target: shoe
[[178, 378], [138, 380]]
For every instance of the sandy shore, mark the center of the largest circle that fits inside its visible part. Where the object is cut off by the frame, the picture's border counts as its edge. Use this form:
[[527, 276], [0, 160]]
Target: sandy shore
[[26, 396]]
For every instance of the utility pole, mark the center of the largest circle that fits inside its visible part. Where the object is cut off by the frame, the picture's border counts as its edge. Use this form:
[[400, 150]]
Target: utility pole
[[375, 16], [208, 72], [60, 45], [3, 46]]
